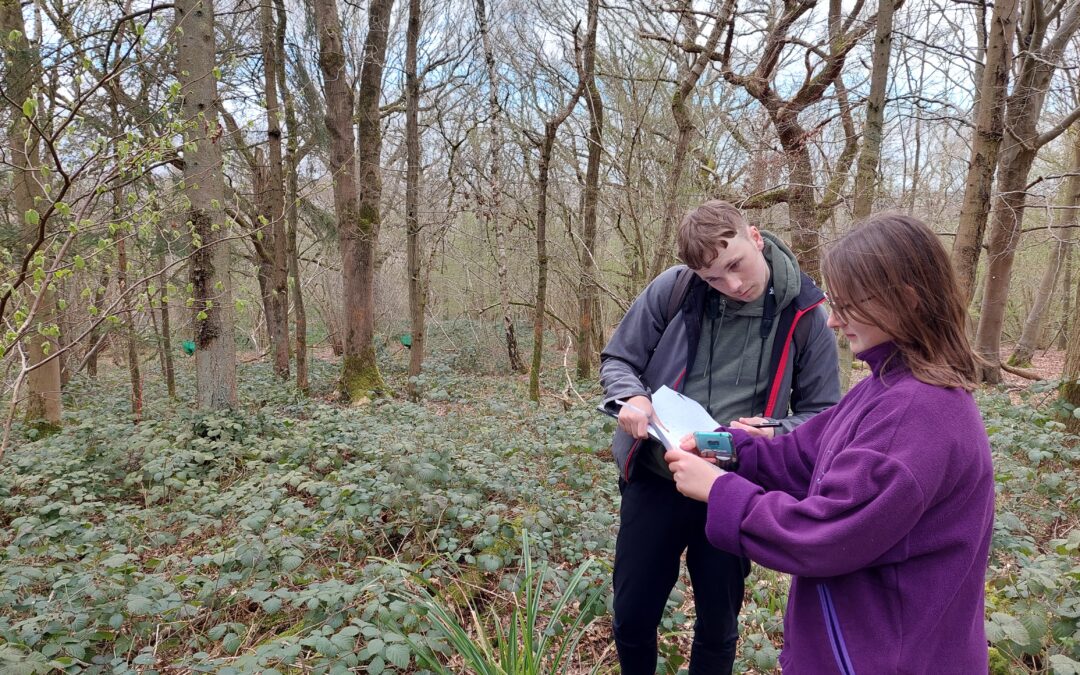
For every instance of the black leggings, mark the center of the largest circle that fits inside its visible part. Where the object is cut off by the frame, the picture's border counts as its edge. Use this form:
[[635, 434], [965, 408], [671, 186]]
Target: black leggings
[[657, 525]]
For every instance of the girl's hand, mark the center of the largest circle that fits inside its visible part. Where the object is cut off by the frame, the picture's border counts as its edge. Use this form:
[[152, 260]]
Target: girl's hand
[[694, 476]]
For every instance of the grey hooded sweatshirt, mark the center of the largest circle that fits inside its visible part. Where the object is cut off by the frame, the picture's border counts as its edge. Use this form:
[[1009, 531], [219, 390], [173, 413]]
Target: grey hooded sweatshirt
[[772, 357]]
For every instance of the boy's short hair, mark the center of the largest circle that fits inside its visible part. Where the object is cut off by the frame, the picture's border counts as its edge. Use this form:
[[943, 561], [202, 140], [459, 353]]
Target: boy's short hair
[[707, 228]]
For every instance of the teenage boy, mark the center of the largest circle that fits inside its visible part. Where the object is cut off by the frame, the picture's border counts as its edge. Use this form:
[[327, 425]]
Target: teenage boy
[[740, 330]]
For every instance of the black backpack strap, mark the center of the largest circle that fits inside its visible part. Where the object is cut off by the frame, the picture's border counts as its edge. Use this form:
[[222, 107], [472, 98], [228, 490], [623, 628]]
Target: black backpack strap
[[678, 294]]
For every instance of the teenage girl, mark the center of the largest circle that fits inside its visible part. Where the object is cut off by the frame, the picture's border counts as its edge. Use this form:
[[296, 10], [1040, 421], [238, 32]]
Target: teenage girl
[[882, 506]]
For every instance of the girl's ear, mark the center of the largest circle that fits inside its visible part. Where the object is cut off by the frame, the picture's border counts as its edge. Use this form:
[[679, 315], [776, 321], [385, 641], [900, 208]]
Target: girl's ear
[[911, 298]]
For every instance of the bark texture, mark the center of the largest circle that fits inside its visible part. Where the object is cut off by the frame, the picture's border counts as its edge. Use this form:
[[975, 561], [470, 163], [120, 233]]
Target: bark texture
[[204, 187]]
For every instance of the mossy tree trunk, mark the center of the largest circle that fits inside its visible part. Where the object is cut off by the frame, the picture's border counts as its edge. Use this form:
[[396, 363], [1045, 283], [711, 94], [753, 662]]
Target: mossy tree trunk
[[356, 195]]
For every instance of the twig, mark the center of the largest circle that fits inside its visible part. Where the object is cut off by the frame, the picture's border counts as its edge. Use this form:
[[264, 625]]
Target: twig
[[14, 400], [566, 369]]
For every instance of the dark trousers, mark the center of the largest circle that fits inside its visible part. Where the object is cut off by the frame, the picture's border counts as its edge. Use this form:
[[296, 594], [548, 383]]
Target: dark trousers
[[657, 525]]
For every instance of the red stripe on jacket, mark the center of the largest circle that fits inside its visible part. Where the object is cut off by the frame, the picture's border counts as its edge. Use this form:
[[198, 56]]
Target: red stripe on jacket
[[778, 377]]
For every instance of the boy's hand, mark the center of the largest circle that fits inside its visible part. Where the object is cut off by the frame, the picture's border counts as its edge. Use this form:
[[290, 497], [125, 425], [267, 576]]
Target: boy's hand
[[747, 425], [634, 416]]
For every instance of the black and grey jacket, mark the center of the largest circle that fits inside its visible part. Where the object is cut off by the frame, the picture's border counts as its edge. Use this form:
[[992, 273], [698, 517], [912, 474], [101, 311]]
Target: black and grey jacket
[[646, 352]]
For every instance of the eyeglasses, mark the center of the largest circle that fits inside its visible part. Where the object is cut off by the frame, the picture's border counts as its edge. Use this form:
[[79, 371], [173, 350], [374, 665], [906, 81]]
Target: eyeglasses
[[841, 312]]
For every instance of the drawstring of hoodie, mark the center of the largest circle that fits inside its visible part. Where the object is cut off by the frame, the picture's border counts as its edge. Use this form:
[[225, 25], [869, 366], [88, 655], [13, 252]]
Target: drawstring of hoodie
[[712, 347], [742, 361]]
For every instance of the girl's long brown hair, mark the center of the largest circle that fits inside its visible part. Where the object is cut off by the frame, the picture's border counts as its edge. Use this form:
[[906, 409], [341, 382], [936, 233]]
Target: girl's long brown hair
[[893, 272]]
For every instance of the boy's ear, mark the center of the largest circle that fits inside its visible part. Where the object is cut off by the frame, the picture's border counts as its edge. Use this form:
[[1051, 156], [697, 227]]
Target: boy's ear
[[755, 236]]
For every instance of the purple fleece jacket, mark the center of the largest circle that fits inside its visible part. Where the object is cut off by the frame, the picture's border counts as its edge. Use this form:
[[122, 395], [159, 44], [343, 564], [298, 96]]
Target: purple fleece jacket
[[881, 508]]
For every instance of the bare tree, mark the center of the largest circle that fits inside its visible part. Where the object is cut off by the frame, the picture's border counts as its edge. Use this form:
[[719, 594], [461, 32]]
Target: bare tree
[[823, 70], [292, 159], [491, 211], [270, 195], [866, 176], [417, 285], [1022, 140], [1064, 219], [589, 338], [689, 74], [546, 145]]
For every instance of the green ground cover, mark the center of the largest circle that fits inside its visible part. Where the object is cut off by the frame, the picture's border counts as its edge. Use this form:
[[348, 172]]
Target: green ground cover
[[299, 534]]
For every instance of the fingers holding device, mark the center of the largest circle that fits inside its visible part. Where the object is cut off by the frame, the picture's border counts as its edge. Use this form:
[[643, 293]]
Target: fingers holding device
[[716, 445]]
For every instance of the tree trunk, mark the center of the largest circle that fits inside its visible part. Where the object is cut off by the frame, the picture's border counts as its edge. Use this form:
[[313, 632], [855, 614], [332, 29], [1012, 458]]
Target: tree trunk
[[129, 324], [292, 217], [97, 332], [802, 205], [166, 334], [417, 287], [215, 347], [1069, 389], [589, 339], [357, 209], [491, 211], [989, 123], [540, 304], [23, 68], [866, 176], [1066, 301], [272, 202], [1064, 220], [363, 376]]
